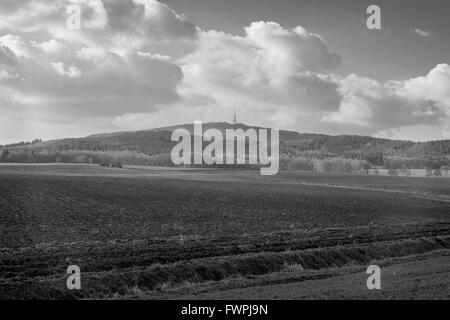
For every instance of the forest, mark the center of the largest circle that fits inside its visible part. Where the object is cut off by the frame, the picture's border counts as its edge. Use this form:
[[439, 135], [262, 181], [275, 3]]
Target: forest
[[298, 151]]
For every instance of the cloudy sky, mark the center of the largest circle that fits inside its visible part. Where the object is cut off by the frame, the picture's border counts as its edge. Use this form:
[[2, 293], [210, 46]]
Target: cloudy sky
[[308, 66]]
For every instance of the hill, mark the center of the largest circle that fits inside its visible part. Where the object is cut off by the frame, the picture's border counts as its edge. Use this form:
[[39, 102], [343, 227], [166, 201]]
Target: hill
[[150, 147]]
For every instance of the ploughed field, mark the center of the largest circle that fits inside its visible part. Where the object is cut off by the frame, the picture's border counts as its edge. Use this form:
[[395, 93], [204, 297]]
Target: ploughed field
[[167, 233]]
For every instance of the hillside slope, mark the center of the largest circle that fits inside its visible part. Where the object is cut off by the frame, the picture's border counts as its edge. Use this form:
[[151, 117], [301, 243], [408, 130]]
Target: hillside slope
[[156, 142]]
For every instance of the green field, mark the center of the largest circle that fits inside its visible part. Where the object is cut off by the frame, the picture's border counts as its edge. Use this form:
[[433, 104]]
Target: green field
[[150, 232]]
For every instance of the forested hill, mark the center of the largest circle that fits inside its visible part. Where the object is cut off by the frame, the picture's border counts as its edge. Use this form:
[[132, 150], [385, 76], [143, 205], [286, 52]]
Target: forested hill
[[292, 144]]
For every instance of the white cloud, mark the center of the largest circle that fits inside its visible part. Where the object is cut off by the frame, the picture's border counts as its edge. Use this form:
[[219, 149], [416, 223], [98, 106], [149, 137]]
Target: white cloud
[[71, 71], [422, 33], [383, 107], [89, 82], [117, 24], [5, 75], [269, 65], [52, 46], [87, 73]]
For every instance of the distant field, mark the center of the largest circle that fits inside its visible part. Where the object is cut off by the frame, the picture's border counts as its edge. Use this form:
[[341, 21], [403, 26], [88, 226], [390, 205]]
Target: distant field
[[148, 231]]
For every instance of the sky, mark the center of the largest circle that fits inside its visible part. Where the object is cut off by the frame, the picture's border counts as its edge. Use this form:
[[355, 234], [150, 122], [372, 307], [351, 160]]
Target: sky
[[308, 66]]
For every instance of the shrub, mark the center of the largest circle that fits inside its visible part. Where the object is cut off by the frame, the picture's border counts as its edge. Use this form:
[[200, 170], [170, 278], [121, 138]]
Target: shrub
[[392, 172], [301, 164], [405, 172], [4, 156]]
